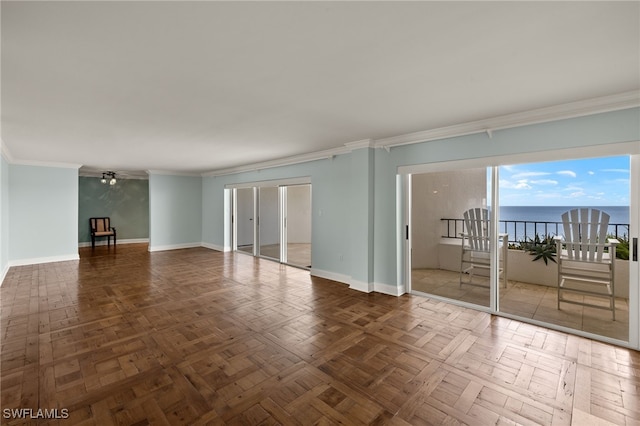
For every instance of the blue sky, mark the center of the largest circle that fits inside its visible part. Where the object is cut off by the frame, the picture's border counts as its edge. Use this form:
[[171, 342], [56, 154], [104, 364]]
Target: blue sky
[[587, 182]]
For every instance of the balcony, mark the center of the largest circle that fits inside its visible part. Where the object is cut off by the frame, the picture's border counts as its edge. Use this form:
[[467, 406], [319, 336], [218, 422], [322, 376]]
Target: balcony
[[531, 290]]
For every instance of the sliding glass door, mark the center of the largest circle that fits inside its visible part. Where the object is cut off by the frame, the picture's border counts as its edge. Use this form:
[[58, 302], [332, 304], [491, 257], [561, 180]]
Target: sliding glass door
[[451, 226], [541, 203], [560, 253], [273, 222], [297, 225], [269, 222], [244, 224]]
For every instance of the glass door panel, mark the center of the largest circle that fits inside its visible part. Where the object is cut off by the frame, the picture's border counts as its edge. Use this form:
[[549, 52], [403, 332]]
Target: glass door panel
[[533, 199], [269, 223], [244, 223], [450, 252], [298, 225]]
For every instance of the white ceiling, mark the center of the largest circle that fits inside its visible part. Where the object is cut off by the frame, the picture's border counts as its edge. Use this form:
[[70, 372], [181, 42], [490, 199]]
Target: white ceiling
[[193, 87]]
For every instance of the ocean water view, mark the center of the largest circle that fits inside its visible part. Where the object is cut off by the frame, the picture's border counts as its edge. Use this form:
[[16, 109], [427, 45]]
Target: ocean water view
[[619, 214], [512, 220]]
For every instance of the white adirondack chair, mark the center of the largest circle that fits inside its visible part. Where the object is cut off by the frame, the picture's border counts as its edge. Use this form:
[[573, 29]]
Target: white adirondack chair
[[475, 256], [586, 259]]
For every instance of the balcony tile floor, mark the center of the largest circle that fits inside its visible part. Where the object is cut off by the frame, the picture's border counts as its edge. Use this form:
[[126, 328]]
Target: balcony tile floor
[[526, 300]]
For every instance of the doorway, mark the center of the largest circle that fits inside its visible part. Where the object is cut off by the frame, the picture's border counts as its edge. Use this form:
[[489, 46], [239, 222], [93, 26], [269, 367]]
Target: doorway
[[527, 187], [244, 229], [272, 220]]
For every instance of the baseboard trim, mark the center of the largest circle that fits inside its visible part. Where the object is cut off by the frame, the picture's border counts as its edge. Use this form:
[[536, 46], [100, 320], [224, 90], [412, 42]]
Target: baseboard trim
[[38, 260], [361, 286], [4, 274], [215, 247], [344, 279], [174, 246], [389, 289], [104, 243]]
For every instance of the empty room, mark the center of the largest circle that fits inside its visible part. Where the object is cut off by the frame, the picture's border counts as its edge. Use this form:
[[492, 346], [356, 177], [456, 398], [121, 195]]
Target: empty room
[[304, 213]]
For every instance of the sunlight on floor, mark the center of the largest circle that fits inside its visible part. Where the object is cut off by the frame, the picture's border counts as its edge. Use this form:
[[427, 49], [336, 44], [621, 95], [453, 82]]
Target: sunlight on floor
[[528, 301]]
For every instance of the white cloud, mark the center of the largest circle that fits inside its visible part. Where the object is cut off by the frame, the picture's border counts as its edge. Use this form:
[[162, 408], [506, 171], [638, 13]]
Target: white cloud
[[615, 170], [567, 173], [591, 172], [520, 184], [577, 194], [544, 182], [529, 174]]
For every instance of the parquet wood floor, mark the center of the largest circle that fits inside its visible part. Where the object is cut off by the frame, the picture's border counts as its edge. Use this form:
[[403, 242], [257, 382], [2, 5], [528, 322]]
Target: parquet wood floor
[[194, 337]]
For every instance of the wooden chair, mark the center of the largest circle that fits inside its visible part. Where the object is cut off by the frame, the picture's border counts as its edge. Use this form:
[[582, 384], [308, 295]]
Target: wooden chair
[[101, 227], [475, 247], [586, 259]]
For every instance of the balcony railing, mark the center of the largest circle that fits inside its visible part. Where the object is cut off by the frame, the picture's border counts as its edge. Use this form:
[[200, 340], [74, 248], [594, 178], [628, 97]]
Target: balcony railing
[[524, 230]]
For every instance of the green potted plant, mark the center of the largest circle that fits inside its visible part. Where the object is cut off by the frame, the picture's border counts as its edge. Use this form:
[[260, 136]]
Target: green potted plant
[[541, 248]]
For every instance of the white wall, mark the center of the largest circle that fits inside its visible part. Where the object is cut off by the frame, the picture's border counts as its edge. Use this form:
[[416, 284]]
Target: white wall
[[441, 195], [299, 214], [43, 213]]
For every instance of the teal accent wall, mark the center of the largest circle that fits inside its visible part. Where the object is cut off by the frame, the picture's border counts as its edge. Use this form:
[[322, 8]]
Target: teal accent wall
[[43, 213], [175, 211], [126, 203]]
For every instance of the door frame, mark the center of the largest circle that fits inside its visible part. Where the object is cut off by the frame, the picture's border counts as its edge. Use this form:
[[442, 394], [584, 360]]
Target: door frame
[[230, 218], [403, 208]]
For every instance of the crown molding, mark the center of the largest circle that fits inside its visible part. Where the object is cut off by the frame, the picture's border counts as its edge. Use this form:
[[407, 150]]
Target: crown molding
[[576, 109], [46, 164], [364, 143], [121, 174], [12, 160], [5, 152], [296, 159], [171, 173], [287, 161]]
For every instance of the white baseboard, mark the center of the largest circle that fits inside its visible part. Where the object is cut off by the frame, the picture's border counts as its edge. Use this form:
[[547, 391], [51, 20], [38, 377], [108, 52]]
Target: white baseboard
[[361, 286], [345, 279], [389, 289], [215, 247], [104, 242], [174, 247], [4, 274], [37, 260]]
